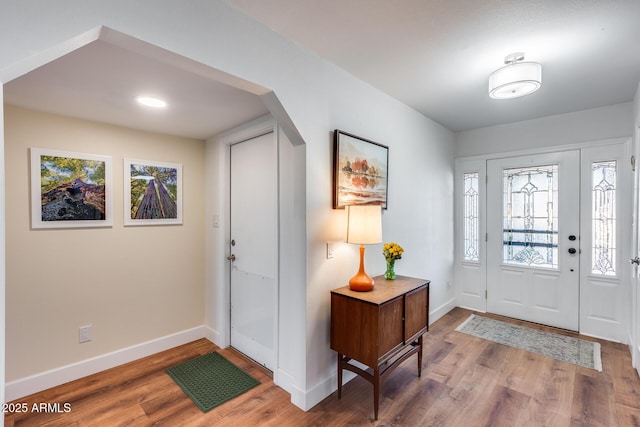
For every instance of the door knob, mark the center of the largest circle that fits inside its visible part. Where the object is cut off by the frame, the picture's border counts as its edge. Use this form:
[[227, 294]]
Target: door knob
[[572, 251], [635, 260], [231, 257]]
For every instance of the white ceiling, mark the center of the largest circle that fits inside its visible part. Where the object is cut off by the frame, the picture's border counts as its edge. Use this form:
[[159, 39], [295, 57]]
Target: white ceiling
[[436, 55], [100, 81], [433, 55]]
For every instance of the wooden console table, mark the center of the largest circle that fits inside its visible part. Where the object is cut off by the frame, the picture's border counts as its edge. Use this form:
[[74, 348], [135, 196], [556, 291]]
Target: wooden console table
[[380, 329]]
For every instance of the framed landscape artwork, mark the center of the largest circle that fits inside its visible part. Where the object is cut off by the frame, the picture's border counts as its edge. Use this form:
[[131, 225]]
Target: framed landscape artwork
[[70, 190], [152, 192], [360, 169]]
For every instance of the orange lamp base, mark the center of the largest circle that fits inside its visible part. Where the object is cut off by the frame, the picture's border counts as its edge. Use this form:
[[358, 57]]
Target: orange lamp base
[[361, 282]]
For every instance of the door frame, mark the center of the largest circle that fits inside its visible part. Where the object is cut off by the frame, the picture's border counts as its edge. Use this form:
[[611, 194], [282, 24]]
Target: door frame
[[634, 270], [220, 220], [467, 164]]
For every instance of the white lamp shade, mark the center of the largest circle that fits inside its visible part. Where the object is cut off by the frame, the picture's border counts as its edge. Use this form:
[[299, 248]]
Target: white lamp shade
[[364, 224], [514, 80]]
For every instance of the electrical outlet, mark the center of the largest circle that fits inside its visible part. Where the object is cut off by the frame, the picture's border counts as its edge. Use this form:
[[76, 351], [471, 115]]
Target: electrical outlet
[[85, 333]]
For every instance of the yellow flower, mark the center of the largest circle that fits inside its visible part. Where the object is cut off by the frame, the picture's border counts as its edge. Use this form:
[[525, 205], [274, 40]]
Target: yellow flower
[[392, 251]]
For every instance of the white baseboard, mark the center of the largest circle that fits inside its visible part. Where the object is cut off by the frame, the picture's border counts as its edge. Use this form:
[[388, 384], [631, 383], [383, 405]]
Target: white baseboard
[[471, 308], [436, 314], [54, 377], [212, 335], [315, 395], [286, 382]]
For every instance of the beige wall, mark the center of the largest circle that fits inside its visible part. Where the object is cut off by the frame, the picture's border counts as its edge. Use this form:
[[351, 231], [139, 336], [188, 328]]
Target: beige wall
[[133, 284]]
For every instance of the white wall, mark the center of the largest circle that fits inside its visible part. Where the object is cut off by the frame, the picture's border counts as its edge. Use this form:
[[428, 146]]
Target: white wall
[[419, 214], [614, 121], [318, 98]]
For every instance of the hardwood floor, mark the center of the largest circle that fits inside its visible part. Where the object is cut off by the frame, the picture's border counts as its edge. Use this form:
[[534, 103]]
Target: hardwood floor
[[466, 381]]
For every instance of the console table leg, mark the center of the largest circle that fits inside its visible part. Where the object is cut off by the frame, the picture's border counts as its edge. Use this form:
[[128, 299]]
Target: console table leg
[[339, 376], [420, 356], [376, 391]]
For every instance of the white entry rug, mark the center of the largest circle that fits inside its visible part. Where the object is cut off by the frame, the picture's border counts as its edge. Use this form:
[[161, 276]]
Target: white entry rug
[[560, 347]]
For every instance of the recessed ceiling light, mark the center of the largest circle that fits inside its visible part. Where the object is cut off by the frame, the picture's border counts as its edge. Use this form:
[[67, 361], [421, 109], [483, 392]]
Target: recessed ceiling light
[[152, 102]]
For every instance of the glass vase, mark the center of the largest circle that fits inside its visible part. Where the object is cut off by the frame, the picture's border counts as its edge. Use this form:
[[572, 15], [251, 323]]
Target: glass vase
[[390, 274]]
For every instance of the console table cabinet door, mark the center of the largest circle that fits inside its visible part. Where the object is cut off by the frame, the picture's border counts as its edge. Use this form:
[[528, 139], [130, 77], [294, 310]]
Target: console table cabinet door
[[416, 314], [354, 329], [390, 329]]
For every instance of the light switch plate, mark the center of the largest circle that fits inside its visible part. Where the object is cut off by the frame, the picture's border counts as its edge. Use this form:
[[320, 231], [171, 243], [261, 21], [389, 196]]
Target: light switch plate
[[330, 249]]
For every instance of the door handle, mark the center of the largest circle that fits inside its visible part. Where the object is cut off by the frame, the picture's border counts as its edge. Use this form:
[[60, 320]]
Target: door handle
[[635, 260], [231, 257], [572, 251]]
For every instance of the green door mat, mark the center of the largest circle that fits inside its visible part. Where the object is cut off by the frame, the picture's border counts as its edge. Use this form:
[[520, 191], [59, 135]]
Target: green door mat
[[211, 380]]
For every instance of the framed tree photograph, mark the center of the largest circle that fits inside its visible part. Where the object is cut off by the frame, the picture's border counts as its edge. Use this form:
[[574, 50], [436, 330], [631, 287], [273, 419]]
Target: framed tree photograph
[[70, 190], [152, 192], [360, 170]]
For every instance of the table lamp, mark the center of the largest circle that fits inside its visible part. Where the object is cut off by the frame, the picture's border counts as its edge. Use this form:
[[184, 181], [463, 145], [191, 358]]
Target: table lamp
[[364, 227]]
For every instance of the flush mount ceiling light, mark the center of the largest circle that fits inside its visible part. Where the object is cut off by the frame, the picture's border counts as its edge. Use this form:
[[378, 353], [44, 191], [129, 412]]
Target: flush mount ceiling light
[[516, 78], [149, 101]]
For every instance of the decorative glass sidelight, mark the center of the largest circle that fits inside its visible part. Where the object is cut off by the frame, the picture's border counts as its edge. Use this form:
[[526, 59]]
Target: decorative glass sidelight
[[530, 216], [471, 209], [603, 218]]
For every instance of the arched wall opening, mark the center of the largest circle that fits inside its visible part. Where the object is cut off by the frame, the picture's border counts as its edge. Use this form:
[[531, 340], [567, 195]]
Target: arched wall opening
[[86, 363]]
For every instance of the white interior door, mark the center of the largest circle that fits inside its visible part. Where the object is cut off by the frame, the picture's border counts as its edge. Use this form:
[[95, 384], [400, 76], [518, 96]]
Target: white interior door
[[533, 242], [254, 248]]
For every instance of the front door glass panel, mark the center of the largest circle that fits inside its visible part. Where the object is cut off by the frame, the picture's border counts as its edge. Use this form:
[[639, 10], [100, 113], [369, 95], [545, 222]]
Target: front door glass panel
[[603, 217], [471, 216], [530, 216]]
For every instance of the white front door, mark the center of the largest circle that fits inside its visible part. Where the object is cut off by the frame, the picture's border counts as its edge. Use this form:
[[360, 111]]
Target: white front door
[[533, 239], [254, 248]]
